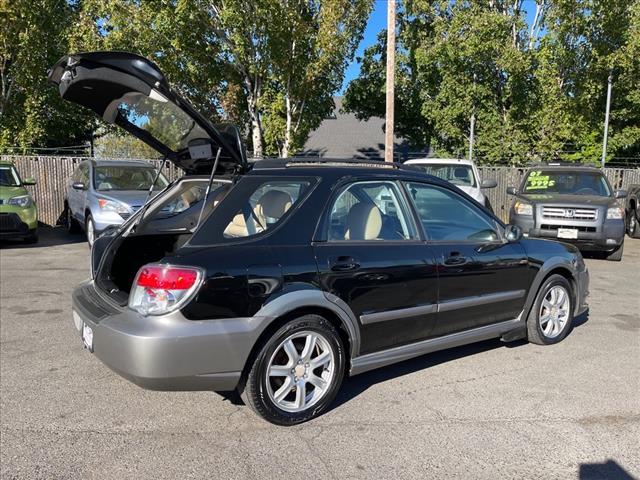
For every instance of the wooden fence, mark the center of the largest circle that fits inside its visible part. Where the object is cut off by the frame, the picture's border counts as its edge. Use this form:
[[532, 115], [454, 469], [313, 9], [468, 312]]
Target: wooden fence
[[52, 174]]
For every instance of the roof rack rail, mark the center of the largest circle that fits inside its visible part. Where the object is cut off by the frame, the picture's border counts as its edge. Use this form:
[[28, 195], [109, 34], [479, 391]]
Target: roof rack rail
[[305, 162]]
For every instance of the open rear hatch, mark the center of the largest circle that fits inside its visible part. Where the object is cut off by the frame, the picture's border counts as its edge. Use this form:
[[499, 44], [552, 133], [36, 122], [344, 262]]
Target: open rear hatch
[[130, 91]]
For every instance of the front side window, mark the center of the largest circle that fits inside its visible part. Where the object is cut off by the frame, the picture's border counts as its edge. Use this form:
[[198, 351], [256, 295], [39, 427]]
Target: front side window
[[370, 211], [264, 208], [461, 175], [127, 178], [566, 182], [8, 176], [446, 216]]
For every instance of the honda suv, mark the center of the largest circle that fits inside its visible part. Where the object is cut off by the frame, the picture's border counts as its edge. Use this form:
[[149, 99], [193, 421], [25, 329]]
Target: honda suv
[[571, 204], [281, 278]]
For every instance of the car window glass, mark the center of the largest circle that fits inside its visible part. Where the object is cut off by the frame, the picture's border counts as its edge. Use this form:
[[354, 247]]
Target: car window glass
[[264, 208], [448, 217], [9, 176], [566, 183], [458, 174], [84, 174], [114, 177], [369, 211]]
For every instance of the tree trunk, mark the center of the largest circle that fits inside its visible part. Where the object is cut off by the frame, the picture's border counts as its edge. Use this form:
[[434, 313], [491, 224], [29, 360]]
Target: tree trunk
[[287, 131], [253, 93]]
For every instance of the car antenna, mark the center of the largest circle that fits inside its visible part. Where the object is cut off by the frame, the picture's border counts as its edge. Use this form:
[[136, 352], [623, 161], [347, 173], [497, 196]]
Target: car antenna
[[206, 193]]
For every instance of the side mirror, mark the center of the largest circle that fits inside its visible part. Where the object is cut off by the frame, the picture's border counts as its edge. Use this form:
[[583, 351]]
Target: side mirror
[[78, 186], [489, 183], [512, 233], [29, 181], [620, 194], [512, 190]]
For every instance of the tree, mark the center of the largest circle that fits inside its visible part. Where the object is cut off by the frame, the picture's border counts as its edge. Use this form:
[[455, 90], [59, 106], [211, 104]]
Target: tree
[[537, 91], [32, 38]]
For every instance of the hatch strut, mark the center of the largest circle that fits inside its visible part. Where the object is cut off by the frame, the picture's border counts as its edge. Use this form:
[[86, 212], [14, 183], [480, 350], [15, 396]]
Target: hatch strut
[[146, 201], [208, 190]]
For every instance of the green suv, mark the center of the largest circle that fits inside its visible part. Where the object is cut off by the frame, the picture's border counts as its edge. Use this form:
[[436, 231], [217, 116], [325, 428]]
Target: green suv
[[18, 213]]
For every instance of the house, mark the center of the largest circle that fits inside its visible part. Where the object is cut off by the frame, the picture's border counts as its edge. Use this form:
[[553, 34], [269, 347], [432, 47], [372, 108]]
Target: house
[[342, 135]]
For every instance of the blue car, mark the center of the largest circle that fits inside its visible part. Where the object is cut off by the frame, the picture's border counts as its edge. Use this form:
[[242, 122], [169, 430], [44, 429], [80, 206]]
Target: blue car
[[104, 193]]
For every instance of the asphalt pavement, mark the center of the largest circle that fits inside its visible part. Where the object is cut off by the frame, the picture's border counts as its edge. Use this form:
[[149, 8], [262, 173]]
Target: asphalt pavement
[[489, 410]]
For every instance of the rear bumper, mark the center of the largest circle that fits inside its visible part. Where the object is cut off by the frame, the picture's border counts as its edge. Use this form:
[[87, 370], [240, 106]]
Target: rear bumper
[[606, 237], [166, 352]]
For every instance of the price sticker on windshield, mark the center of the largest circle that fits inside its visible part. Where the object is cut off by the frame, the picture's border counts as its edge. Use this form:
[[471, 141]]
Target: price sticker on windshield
[[537, 181]]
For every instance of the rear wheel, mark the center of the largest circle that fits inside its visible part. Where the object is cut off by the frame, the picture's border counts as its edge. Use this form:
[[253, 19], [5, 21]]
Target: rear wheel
[[72, 224], [633, 224], [552, 312], [297, 373], [616, 255]]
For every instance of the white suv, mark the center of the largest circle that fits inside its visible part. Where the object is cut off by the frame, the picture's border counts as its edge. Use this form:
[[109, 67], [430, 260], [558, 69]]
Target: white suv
[[462, 173]]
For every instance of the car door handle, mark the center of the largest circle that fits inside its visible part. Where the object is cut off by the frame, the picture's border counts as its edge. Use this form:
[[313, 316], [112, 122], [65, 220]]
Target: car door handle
[[455, 260], [343, 264]]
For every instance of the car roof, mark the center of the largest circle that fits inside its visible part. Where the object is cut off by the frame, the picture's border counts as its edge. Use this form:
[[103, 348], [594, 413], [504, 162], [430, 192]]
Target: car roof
[[6, 163], [445, 161], [338, 168], [567, 168]]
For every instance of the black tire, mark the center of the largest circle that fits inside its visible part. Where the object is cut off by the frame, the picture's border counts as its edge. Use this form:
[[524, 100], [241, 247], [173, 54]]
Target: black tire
[[32, 237], [535, 331], [72, 225], [255, 391], [616, 255], [633, 224], [487, 204]]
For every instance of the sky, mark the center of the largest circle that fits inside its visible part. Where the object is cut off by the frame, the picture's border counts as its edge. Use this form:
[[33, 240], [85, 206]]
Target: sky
[[378, 21]]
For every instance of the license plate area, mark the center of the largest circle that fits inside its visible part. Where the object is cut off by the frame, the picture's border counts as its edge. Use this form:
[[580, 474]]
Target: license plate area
[[571, 233], [87, 337]]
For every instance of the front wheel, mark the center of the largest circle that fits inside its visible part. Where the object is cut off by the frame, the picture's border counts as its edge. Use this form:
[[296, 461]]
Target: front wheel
[[90, 228], [633, 225], [297, 373], [552, 312], [616, 255]]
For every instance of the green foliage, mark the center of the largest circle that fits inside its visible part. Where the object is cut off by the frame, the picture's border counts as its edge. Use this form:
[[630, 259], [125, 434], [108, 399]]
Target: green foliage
[[535, 97], [32, 38]]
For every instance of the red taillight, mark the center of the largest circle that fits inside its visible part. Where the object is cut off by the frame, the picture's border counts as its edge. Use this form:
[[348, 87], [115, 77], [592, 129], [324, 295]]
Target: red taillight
[[160, 289], [170, 278]]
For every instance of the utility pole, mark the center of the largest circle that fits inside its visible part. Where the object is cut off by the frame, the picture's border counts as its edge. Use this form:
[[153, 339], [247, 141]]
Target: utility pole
[[391, 62], [606, 119], [472, 121], [472, 131]]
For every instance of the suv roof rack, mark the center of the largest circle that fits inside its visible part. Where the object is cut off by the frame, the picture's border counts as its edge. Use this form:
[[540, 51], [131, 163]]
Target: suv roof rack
[[324, 162], [562, 163]]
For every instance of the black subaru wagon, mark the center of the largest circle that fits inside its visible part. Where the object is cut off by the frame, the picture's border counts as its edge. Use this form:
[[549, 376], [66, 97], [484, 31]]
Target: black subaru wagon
[[279, 278]]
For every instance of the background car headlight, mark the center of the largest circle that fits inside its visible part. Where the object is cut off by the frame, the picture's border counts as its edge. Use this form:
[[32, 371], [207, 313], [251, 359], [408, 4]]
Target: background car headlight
[[523, 208], [615, 213], [111, 206], [23, 201]]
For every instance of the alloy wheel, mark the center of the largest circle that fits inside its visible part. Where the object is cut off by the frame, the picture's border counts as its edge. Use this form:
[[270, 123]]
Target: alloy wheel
[[554, 311], [300, 371]]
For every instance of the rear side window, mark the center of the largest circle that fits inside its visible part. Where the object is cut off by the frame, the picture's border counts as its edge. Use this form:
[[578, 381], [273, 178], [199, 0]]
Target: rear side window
[[370, 211], [264, 208]]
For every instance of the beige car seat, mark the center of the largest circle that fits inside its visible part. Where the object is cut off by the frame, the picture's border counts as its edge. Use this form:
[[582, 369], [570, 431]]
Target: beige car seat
[[364, 222], [271, 206]]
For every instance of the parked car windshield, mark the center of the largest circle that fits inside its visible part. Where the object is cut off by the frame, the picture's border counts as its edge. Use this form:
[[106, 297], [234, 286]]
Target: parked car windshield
[[456, 174], [566, 182], [115, 177], [8, 176]]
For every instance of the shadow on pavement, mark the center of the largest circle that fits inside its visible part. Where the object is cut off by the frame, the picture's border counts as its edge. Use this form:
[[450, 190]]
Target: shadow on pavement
[[609, 470], [48, 236]]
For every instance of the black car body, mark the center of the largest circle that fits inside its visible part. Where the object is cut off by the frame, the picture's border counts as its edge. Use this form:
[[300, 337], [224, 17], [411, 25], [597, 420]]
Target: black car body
[[278, 279], [573, 204]]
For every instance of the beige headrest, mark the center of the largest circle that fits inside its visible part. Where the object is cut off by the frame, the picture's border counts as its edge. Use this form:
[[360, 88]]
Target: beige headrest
[[364, 222], [274, 204]]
